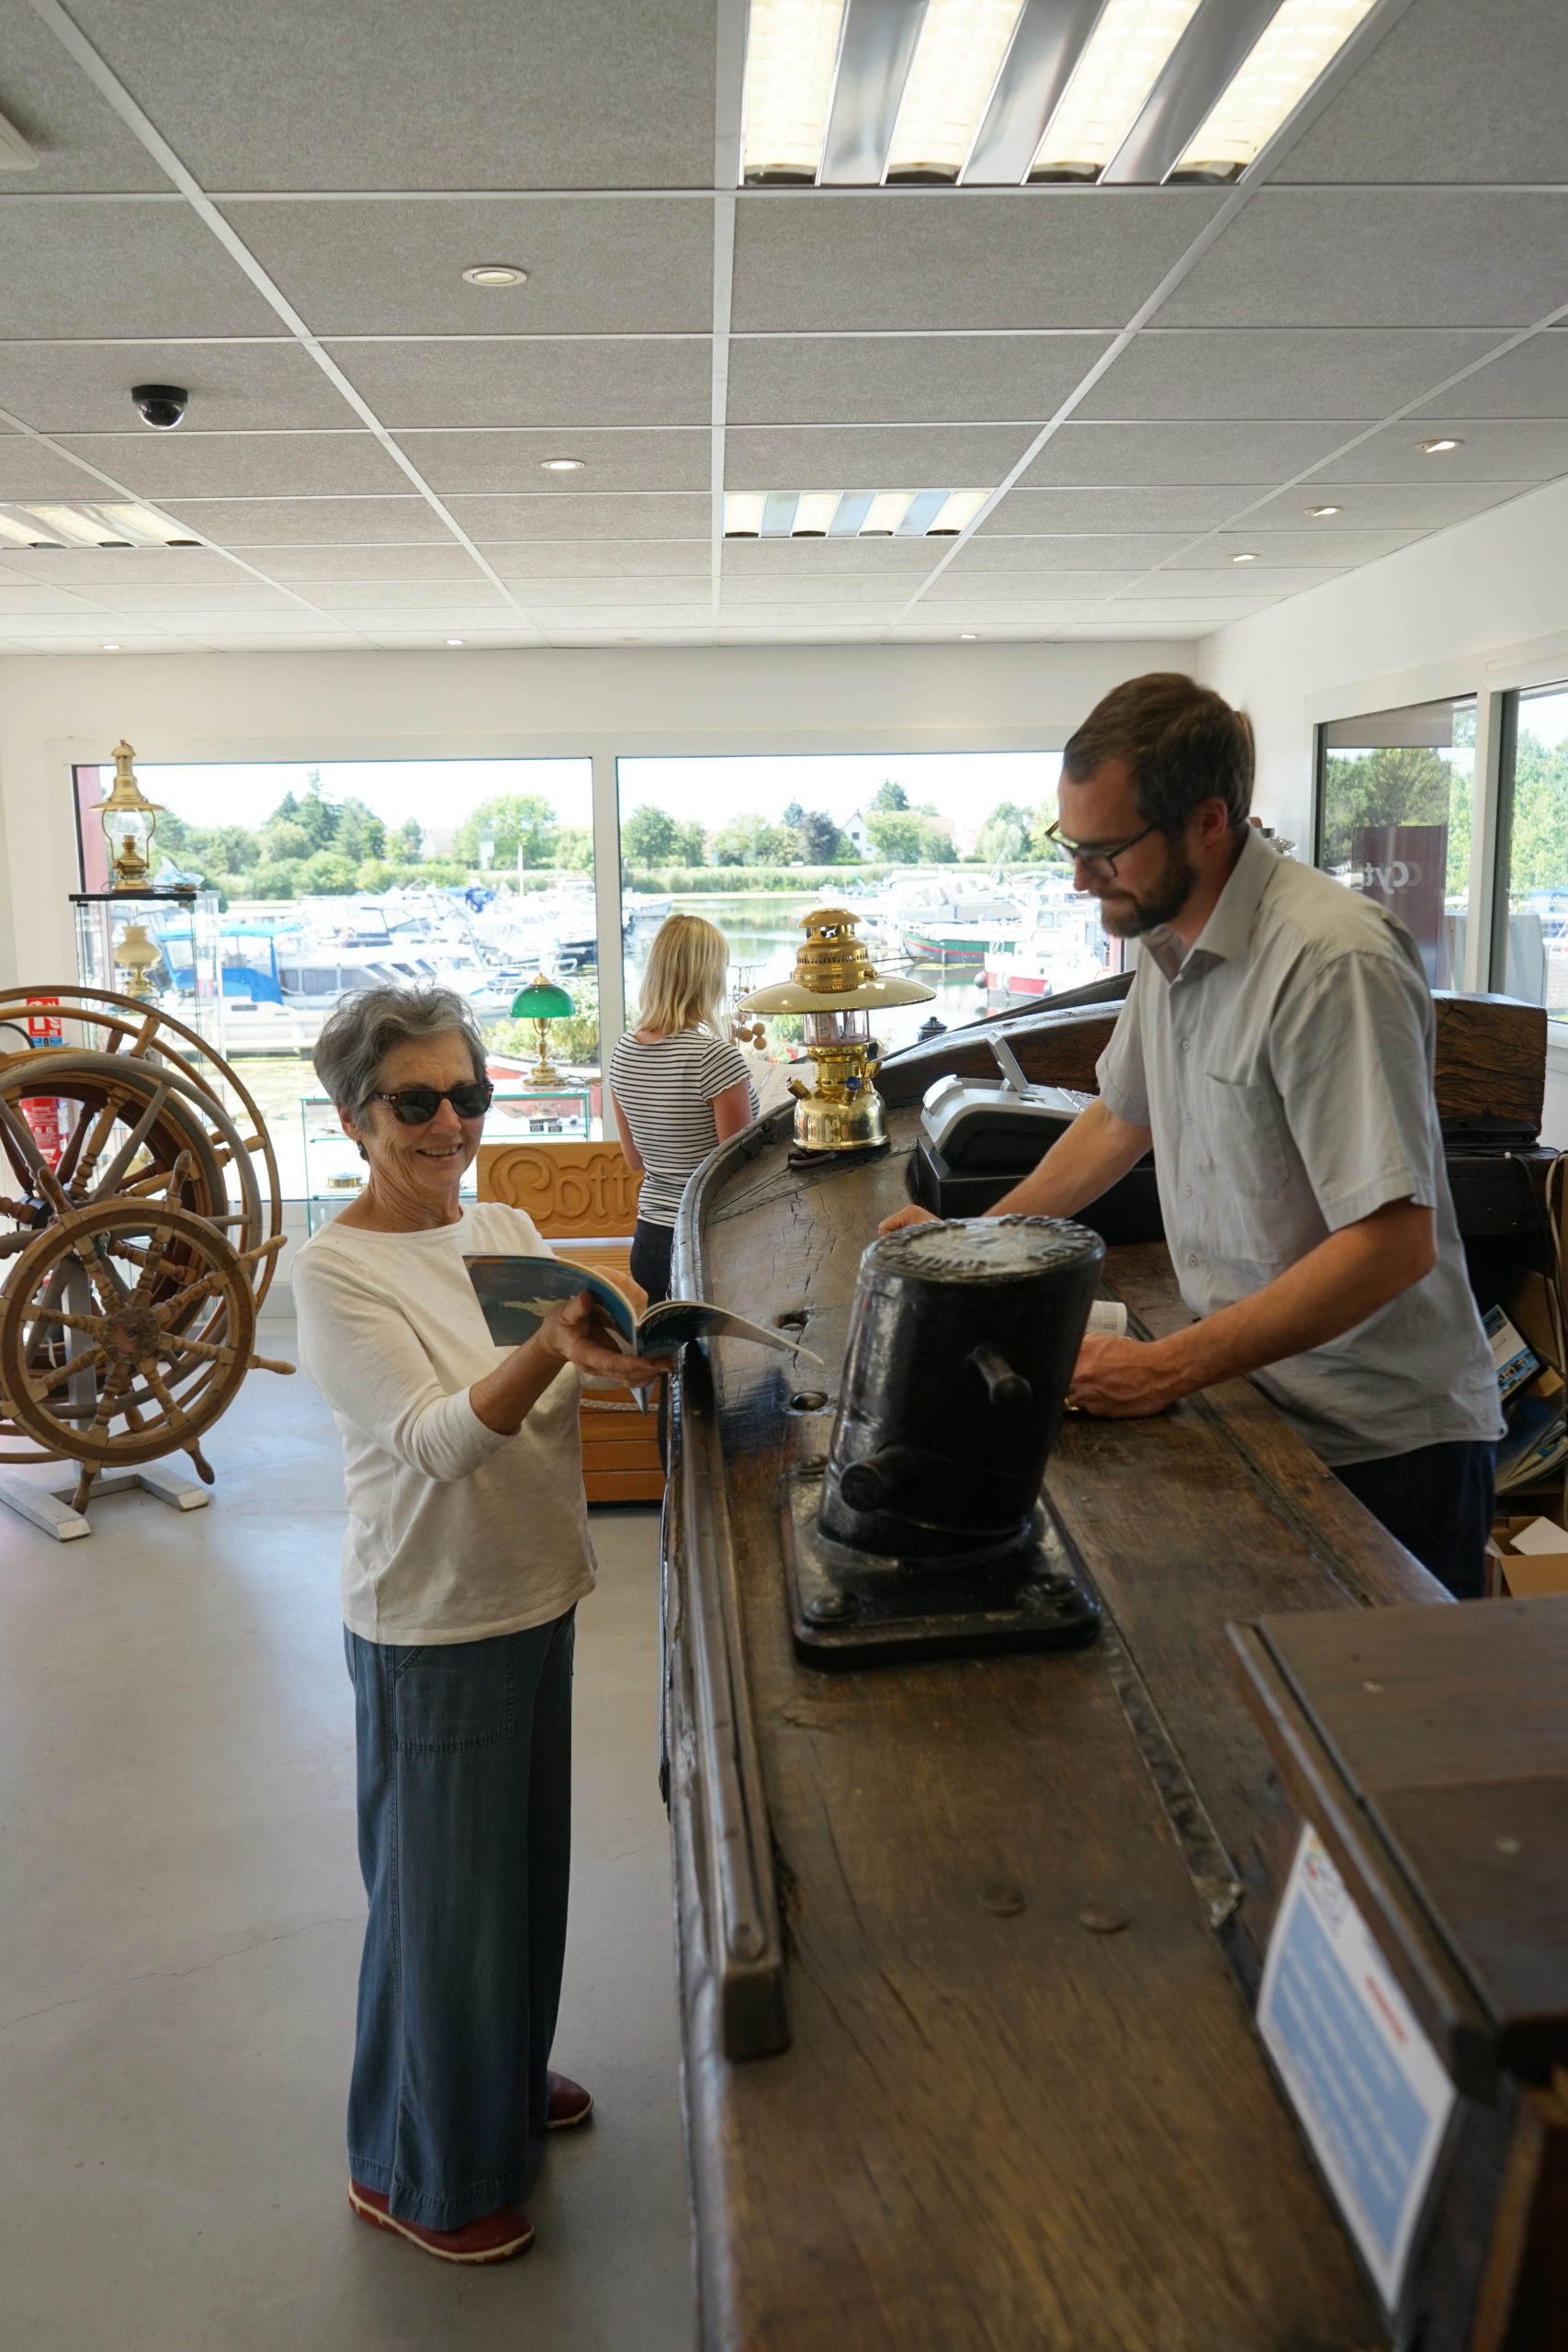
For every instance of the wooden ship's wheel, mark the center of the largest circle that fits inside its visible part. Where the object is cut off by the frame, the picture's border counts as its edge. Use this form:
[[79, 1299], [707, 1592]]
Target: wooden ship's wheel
[[146, 1219]]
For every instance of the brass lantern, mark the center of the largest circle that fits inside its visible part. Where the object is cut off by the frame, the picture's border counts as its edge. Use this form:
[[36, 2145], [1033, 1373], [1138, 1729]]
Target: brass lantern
[[135, 954], [130, 821], [837, 988]]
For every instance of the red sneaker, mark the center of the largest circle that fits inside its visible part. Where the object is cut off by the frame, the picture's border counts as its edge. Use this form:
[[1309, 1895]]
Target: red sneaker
[[569, 2104], [495, 2237]]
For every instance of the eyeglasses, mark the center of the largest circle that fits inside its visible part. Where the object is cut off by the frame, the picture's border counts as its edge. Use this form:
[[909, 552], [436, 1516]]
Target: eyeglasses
[[1100, 861], [415, 1106]]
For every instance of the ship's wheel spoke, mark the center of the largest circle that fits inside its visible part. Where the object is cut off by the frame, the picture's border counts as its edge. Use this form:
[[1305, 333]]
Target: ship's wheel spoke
[[88, 1360]]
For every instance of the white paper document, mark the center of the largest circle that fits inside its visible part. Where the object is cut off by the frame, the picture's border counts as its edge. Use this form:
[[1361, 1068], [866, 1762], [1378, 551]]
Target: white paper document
[[1368, 2087]]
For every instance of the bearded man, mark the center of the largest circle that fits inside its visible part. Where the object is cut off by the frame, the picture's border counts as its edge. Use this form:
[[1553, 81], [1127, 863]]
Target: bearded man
[[1277, 1050]]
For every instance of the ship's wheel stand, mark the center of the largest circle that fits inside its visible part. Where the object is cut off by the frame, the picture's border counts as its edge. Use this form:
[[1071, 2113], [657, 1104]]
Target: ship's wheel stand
[[141, 1256]]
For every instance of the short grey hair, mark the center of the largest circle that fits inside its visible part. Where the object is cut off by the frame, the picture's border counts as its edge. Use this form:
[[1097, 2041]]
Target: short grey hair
[[359, 1033]]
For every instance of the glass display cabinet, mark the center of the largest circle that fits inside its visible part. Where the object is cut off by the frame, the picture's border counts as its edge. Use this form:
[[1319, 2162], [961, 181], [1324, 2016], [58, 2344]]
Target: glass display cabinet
[[159, 947]]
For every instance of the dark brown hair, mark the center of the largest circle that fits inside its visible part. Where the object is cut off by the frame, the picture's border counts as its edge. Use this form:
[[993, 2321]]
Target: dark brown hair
[[1183, 742]]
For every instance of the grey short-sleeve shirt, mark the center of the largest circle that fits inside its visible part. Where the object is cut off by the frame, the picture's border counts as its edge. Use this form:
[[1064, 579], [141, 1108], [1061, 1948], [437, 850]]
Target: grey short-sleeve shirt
[[1285, 1066]]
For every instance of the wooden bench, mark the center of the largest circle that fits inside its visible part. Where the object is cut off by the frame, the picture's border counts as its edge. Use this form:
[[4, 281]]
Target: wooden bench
[[582, 1197]]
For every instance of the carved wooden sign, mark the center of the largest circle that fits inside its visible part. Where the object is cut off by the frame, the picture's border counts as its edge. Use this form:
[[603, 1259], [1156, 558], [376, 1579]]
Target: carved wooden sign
[[568, 1188]]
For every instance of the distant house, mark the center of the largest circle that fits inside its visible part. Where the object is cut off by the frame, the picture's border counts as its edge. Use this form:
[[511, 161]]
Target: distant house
[[435, 841], [856, 831]]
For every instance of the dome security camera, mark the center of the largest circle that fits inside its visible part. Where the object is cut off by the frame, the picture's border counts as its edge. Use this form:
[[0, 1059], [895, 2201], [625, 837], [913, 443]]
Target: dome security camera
[[159, 405]]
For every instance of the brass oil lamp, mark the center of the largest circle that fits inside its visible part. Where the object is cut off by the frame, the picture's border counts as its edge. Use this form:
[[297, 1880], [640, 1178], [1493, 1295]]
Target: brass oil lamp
[[836, 988], [130, 821]]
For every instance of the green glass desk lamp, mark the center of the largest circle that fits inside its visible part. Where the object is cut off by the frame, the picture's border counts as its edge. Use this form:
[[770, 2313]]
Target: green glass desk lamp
[[542, 1001]]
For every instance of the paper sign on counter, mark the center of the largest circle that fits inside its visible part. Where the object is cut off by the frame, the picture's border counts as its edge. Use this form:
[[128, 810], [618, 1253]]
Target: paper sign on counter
[[1368, 2087]]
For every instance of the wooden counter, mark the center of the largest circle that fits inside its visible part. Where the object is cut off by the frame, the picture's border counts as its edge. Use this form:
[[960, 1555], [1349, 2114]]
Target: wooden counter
[[993, 2124]]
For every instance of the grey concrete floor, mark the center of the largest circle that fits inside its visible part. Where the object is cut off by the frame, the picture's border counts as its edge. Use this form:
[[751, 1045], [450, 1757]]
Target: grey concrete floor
[[180, 1921]]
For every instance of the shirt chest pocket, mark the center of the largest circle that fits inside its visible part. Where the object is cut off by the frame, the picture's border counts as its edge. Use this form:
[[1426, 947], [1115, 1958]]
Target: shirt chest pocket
[[1242, 1129]]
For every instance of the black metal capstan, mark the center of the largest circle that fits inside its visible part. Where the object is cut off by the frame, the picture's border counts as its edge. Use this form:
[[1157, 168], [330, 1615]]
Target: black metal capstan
[[924, 1528]]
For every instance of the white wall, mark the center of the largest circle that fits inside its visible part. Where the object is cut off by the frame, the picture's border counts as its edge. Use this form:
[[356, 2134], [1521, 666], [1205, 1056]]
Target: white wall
[[57, 710], [1469, 610]]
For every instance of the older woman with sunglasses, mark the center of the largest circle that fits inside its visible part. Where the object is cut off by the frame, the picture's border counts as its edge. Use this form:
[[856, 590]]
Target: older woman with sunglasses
[[465, 1554]]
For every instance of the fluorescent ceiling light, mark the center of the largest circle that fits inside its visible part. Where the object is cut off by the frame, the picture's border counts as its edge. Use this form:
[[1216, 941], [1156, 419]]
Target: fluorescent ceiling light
[[961, 48], [143, 523], [1300, 40], [814, 516], [67, 523], [792, 53], [20, 534], [888, 509], [1435, 448], [743, 514], [962, 507], [1125, 56]]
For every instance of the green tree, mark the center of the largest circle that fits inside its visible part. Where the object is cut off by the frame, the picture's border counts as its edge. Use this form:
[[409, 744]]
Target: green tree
[[690, 846], [889, 794], [513, 819], [574, 848], [360, 832], [1005, 833], [751, 841], [910, 836], [650, 837], [283, 838], [376, 875], [1405, 785], [275, 878], [325, 875], [408, 841], [821, 842]]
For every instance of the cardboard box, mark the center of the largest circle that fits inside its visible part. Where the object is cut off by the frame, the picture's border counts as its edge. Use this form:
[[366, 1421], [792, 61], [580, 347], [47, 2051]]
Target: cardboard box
[[1515, 1575]]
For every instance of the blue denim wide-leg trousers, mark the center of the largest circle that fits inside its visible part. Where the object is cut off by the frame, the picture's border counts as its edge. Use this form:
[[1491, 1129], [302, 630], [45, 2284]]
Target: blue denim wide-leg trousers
[[464, 1837]]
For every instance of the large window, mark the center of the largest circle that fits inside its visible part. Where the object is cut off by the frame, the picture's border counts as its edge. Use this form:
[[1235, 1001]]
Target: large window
[[339, 874], [943, 855], [1532, 851], [1395, 803]]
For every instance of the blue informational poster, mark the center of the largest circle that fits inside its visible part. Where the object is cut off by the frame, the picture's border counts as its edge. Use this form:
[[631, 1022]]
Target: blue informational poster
[[1368, 2087]]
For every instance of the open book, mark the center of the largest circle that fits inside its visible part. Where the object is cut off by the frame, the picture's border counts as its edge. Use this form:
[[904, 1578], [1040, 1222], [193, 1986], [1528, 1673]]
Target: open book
[[516, 1294]]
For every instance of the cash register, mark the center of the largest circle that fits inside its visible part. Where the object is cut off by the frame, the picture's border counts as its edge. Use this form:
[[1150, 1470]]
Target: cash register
[[979, 1136]]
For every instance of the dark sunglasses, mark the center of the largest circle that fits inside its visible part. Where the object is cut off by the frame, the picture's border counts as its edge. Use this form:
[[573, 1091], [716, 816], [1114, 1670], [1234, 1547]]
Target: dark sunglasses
[[415, 1106]]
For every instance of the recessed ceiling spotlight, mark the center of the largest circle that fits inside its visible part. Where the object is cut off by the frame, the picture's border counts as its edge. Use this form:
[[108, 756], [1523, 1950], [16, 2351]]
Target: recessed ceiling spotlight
[[1435, 448], [561, 465], [493, 273], [454, 640], [1319, 511], [111, 649], [968, 636], [1244, 558]]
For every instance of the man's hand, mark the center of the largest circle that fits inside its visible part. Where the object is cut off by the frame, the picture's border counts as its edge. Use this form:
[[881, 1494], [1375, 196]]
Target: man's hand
[[1122, 1379], [912, 1214]]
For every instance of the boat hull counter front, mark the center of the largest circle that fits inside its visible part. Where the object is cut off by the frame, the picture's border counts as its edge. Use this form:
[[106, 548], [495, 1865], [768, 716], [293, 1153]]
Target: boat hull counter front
[[968, 1946]]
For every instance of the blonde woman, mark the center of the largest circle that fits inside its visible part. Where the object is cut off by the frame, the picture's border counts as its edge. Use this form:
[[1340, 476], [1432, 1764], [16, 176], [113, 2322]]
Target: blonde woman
[[678, 1085]]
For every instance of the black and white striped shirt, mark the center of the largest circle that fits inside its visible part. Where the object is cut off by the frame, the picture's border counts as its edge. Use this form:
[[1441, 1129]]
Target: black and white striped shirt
[[666, 1092]]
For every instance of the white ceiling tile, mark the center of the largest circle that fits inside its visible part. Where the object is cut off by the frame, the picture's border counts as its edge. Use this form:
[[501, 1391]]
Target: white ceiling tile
[[29, 471], [985, 588], [917, 456], [817, 559], [73, 269], [164, 466], [1047, 257], [1256, 584], [827, 590], [552, 618], [1112, 552], [94, 568], [564, 384], [237, 597], [1328, 547], [1161, 453], [234, 386], [39, 597], [594, 267], [877, 379], [286, 522], [472, 594], [1490, 450], [627, 560], [1425, 504], [1380, 257], [1256, 373], [306, 565], [1157, 506], [80, 141], [438, 620], [1452, 92], [609, 589], [498, 464], [1531, 381], [474, 94], [580, 514]]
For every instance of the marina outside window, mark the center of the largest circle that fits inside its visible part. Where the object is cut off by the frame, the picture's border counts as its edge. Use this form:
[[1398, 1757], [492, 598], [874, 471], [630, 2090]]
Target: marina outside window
[[941, 855], [1394, 799], [1530, 944], [338, 876]]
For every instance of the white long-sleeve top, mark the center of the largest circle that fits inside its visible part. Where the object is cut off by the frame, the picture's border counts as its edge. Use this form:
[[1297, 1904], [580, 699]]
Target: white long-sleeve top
[[455, 1534]]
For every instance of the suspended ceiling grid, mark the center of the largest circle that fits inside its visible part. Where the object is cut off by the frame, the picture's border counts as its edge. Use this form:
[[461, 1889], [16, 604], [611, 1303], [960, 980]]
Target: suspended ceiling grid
[[274, 207]]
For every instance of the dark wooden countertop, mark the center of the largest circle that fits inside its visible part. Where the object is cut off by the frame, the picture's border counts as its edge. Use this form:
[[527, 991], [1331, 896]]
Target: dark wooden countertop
[[993, 2125]]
